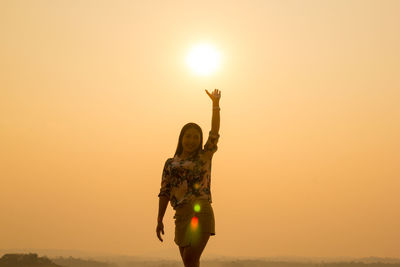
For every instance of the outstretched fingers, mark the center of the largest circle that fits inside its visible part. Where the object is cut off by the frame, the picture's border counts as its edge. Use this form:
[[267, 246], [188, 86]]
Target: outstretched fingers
[[215, 95]]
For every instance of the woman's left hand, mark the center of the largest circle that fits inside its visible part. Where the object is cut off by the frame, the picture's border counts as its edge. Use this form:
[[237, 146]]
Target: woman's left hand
[[215, 95], [159, 230]]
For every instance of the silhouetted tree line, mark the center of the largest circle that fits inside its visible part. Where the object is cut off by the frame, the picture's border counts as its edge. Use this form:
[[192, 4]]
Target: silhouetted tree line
[[25, 260], [153, 263], [255, 263], [32, 260], [74, 262], [263, 263]]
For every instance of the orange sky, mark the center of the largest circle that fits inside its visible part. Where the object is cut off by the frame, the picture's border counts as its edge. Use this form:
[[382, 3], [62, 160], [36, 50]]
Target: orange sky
[[93, 95]]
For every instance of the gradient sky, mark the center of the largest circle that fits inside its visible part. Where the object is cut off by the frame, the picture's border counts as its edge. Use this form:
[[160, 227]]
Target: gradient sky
[[93, 95]]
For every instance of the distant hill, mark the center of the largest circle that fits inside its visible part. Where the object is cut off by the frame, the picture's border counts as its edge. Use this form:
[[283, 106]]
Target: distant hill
[[25, 260], [254, 263], [32, 260], [263, 263], [74, 262]]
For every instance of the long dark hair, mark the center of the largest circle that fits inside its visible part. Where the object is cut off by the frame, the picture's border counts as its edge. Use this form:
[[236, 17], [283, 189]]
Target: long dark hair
[[187, 126]]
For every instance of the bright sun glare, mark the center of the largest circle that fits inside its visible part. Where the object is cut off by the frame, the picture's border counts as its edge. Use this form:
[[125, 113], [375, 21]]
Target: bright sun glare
[[203, 59]]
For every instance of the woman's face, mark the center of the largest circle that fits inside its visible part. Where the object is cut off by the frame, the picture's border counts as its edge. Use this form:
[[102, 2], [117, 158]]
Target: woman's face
[[190, 140]]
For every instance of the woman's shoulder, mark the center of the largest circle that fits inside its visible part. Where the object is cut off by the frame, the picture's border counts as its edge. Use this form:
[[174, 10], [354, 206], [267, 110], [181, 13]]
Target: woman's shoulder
[[169, 161], [204, 155]]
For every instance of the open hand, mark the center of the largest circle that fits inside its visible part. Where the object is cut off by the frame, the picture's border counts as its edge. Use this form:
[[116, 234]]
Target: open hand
[[215, 95], [160, 228]]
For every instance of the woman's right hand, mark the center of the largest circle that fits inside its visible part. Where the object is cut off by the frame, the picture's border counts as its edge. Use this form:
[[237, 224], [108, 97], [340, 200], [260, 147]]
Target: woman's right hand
[[160, 228], [215, 95]]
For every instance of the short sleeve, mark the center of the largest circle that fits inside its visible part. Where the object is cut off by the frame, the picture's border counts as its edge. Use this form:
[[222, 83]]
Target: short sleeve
[[211, 145], [165, 180]]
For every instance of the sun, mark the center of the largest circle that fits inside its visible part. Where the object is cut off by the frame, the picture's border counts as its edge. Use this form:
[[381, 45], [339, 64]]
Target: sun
[[203, 59]]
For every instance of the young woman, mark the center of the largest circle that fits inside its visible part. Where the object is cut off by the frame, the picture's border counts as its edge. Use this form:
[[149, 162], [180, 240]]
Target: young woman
[[185, 184]]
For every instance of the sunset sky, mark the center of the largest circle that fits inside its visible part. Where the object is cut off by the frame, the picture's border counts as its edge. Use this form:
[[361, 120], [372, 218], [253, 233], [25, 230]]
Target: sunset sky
[[93, 95]]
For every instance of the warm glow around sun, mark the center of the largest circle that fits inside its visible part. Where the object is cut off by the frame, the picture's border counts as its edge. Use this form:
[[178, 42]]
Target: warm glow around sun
[[203, 59]]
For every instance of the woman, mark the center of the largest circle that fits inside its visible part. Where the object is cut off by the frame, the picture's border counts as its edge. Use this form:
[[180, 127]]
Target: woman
[[186, 185]]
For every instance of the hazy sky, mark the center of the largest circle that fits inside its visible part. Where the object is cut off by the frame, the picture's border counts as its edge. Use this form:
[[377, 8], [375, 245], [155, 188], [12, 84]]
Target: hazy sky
[[93, 95]]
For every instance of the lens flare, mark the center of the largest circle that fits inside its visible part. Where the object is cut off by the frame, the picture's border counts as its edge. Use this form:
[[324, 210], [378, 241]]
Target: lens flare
[[196, 208], [194, 223]]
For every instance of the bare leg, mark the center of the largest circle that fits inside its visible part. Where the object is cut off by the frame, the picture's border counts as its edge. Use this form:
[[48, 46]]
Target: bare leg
[[191, 255], [181, 251]]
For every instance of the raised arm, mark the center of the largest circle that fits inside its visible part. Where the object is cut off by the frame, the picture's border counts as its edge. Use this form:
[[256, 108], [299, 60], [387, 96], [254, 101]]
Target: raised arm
[[215, 97]]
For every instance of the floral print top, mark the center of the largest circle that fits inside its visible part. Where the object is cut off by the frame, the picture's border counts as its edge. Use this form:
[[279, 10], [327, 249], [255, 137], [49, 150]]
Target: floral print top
[[184, 180]]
